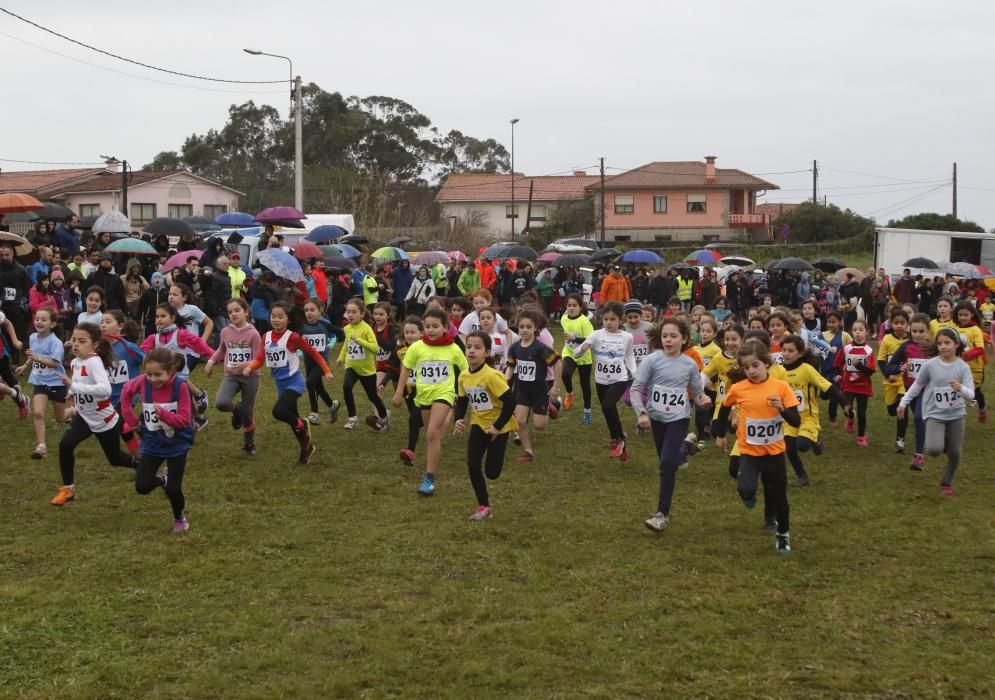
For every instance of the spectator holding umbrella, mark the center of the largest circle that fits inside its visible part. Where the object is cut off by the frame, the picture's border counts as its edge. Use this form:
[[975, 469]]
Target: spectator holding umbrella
[[134, 286], [103, 240], [42, 235], [905, 288], [108, 280], [65, 235], [469, 281], [401, 279], [215, 249], [421, 290]]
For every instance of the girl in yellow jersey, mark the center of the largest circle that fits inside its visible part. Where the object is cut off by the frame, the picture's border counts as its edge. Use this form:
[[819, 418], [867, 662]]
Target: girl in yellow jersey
[[359, 354], [434, 360], [716, 379], [807, 383], [944, 316], [707, 349], [411, 332], [894, 388], [969, 328], [485, 392], [576, 329]]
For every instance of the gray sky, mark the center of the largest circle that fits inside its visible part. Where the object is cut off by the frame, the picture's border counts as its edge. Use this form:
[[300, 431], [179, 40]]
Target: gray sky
[[889, 89]]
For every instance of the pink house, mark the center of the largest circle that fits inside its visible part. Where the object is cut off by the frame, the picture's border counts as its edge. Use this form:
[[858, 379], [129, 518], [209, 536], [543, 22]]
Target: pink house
[[682, 200]]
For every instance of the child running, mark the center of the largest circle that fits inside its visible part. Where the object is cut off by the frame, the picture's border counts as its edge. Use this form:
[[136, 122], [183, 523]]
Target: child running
[[499, 342], [615, 366], [197, 322], [8, 381], [127, 364], [412, 331], [669, 379], [527, 363], [279, 353], [576, 329], [359, 354], [45, 358], [836, 338], [434, 360], [388, 366], [707, 351], [973, 339], [239, 343], [90, 387], [764, 404], [897, 335], [946, 385], [944, 316], [856, 365], [321, 334], [908, 361], [166, 428], [484, 390]]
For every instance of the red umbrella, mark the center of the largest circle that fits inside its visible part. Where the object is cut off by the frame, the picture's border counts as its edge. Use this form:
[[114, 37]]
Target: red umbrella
[[456, 255], [12, 202], [274, 214], [307, 251], [180, 259]]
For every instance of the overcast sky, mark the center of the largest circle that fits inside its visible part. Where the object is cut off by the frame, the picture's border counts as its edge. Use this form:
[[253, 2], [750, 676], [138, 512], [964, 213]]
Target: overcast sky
[[894, 90]]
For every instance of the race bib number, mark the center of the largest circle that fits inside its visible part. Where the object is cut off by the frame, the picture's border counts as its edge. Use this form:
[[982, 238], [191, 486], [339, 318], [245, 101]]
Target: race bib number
[[237, 356], [480, 400], [854, 361], [988, 315], [318, 341], [777, 357], [355, 352], [383, 354], [705, 361], [609, 371], [150, 417], [672, 402], [276, 357], [36, 366], [433, 372], [722, 390], [525, 370], [9, 294], [85, 403], [640, 351], [764, 431], [573, 342], [800, 395], [948, 398], [915, 367], [118, 372]]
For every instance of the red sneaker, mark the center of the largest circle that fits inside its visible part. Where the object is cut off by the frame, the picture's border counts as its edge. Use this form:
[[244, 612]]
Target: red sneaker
[[849, 425], [526, 457], [982, 416], [23, 410], [407, 456], [618, 447], [947, 490]]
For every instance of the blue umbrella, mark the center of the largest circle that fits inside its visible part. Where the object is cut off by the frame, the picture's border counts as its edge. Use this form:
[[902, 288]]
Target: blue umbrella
[[641, 257], [282, 264], [323, 234], [347, 251], [235, 218]]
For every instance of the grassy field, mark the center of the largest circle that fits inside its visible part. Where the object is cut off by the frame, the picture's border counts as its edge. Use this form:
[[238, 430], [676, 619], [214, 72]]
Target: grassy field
[[336, 580]]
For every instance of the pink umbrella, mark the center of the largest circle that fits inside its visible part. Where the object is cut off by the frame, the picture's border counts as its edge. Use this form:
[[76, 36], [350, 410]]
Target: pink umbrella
[[307, 251], [549, 257], [457, 256], [984, 270], [180, 259], [273, 214]]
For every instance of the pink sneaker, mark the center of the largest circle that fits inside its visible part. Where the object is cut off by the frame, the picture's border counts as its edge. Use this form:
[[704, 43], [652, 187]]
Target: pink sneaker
[[947, 490], [849, 425], [22, 406], [482, 513], [181, 525], [862, 441], [407, 456]]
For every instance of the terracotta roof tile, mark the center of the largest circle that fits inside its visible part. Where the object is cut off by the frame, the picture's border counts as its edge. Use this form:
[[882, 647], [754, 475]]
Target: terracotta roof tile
[[475, 187], [775, 209], [35, 180], [684, 174], [112, 182]]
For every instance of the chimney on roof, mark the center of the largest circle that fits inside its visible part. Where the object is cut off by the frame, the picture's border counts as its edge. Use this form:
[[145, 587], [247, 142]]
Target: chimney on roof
[[709, 170], [580, 173], [113, 164]]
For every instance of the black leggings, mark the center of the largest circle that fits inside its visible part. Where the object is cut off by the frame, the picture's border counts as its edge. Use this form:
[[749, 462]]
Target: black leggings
[[860, 408], [78, 431], [7, 375], [285, 411], [795, 446], [608, 396], [901, 424], [315, 385], [146, 481], [980, 398], [569, 365], [369, 383], [772, 470], [415, 423], [703, 417], [478, 445]]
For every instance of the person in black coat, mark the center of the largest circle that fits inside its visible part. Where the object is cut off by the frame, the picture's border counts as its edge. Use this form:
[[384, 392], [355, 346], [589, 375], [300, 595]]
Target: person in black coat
[[107, 279]]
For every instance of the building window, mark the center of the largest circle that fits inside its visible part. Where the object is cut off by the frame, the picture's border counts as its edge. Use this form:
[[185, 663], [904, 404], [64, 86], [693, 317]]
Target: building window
[[663, 238], [142, 214], [511, 212], [624, 204], [213, 211], [623, 238], [711, 237], [659, 204], [180, 211], [86, 210], [538, 212], [696, 204]]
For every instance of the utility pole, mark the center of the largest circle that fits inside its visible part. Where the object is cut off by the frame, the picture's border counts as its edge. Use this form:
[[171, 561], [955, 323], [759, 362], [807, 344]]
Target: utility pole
[[124, 189], [602, 201], [514, 212], [955, 190], [298, 148], [815, 182]]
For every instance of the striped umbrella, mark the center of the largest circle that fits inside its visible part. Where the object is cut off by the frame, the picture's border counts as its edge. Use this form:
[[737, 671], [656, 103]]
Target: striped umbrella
[[389, 254]]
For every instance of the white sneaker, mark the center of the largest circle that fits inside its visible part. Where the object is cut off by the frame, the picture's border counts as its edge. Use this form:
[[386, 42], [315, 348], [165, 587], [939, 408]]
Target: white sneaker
[[313, 418], [351, 423], [657, 523], [333, 411]]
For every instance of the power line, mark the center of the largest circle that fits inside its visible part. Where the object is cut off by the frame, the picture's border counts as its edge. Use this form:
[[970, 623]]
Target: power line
[[137, 63], [46, 162], [141, 77], [891, 208], [883, 177]]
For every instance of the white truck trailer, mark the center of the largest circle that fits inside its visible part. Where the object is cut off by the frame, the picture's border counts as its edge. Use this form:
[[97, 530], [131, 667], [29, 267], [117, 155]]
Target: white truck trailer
[[893, 246]]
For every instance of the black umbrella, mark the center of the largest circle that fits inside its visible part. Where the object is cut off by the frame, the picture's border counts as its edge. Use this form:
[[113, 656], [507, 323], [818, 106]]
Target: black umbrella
[[170, 227], [790, 264], [571, 260], [54, 210], [496, 250], [921, 263], [605, 254], [517, 251], [354, 239], [828, 264], [201, 223], [286, 223], [87, 222], [681, 266], [399, 241]]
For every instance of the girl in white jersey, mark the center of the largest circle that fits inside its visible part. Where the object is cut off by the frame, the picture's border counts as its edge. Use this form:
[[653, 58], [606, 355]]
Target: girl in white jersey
[[90, 388]]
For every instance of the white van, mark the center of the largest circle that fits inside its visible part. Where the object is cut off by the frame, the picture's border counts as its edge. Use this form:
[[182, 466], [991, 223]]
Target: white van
[[313, 221]]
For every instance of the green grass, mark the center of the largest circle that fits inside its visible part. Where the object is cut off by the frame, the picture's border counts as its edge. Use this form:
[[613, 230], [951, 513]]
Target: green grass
[[336, 580]]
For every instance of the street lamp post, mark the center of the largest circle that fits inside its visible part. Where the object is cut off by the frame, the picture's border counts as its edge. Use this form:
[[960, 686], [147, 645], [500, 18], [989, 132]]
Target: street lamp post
[[295, 107], [514, 213]]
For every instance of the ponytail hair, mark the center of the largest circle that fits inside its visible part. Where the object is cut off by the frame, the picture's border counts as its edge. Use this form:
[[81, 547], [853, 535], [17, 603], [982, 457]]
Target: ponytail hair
[[164, 357], [180, 321], [101, 347]]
